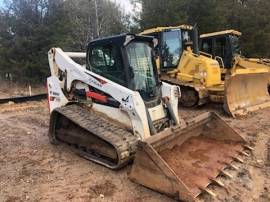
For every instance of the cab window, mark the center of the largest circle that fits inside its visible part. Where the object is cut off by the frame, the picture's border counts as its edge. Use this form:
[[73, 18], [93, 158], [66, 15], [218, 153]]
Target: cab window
[[171, 48], [220, 48], [140, 60], [235, 44], [106, 61], [206, 46]]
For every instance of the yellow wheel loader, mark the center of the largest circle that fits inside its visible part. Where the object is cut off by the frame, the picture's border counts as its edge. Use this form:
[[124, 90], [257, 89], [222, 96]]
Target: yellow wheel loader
[[249, 76], [112, 109], [200, 75]]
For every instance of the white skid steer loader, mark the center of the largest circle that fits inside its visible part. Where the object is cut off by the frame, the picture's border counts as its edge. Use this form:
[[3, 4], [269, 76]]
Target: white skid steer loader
[[115, 109]]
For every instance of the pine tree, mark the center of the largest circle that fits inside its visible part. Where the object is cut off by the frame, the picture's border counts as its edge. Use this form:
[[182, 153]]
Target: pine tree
[[29, 28], [251, 17]]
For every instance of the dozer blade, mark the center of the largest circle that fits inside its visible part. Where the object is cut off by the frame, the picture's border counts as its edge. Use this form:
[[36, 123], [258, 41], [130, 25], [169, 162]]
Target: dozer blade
[[182, 163], [245, 93]]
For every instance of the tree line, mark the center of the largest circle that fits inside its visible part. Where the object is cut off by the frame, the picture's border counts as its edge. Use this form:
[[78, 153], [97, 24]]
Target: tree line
[[29, 28], [251, 17]]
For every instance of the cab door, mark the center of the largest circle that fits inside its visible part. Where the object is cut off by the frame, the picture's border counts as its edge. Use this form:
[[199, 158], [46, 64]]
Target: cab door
[[222, 48]]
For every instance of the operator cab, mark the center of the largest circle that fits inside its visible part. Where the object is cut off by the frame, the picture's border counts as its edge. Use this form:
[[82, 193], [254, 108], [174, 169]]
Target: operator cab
[[127, 60], [172, 42], [222, 45]]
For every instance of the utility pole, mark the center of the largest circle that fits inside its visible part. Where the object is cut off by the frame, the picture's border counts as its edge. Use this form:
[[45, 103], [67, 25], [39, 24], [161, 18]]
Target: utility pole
[[97, 21]]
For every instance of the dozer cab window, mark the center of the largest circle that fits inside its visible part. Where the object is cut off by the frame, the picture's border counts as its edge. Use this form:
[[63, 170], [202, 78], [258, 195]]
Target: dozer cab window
[[171, 48], [106, 61], [206, 46], [223, 50], [234, 41], [220, 48], [141, 62]]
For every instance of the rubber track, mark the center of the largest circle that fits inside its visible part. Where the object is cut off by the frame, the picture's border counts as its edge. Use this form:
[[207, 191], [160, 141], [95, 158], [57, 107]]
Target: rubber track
[[122, 140], [24, 99]]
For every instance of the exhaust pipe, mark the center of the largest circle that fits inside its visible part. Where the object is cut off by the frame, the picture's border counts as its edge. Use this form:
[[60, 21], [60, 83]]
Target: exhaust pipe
[[196, 40]]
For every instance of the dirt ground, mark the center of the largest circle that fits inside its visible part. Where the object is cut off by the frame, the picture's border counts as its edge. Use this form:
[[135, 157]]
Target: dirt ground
[[31, 169]]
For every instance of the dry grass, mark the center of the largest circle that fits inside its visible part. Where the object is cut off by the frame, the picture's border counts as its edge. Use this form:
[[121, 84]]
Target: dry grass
[[10, 89]]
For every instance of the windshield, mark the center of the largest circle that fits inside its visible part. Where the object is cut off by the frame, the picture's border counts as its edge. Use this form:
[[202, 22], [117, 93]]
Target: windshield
[[140, 60], [235, 44], [171, 48]]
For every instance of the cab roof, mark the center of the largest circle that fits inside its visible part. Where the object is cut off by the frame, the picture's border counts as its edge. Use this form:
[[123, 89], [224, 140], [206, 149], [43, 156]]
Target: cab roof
[[225, 32], [160, 29], [120, 40]]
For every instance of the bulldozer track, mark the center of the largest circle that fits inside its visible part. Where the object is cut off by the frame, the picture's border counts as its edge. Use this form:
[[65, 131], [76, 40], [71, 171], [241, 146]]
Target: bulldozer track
[[24, 99], [190, 97], [123, 141]]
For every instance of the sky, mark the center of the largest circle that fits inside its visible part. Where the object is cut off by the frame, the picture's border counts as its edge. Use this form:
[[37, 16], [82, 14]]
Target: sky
[[125, 4]]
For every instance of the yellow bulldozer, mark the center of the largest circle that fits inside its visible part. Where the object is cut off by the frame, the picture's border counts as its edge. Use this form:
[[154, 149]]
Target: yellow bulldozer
[[201, 76], [254, 91]]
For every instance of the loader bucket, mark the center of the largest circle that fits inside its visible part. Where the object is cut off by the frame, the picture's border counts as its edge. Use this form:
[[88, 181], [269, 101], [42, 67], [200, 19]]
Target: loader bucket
[[182, 163], [245, 93]]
